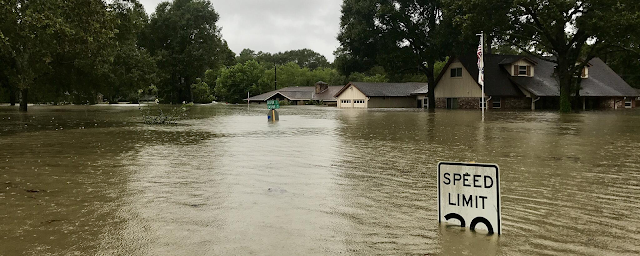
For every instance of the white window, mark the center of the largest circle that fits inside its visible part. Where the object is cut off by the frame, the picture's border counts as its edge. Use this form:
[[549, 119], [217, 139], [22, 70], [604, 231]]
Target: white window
[[522, 71], [628, 103], [585, 72], [358, 101], [345, 101], [496, 102], [456, 72]]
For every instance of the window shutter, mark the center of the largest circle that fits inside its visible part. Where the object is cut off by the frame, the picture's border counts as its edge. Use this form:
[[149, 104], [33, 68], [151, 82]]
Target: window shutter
[[584, 72], [515, 70], [528, 70]]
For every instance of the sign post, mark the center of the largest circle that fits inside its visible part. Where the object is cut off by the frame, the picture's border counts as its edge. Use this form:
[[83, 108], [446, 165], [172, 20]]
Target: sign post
[[273, 115], [470, 194]]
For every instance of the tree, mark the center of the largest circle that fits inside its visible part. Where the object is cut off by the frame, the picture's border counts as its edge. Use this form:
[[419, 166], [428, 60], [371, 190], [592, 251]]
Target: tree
[[626, 64], [234, 82], [359, 37], [474, 16], [132, 68], [40, 36], [246, 55], [183, 35], [403, 36], [567, 33], [305, 58], [201, 92]]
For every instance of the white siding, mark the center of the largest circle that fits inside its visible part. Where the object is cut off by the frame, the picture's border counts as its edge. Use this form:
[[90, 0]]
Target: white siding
[[351, 94], [457, 87]]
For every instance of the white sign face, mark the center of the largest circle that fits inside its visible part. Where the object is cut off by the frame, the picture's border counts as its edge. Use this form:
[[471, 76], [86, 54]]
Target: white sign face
[[470, 194]]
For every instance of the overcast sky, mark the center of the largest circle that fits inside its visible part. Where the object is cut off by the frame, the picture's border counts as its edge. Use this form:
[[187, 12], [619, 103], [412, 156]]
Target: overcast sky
[[276, 25]]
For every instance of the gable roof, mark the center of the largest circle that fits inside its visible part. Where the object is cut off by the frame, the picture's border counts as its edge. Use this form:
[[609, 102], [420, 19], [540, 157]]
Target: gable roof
[[421, 90], [384, 89], [496, 78], [510, 59], [328, 94], [299, 93], [602, 81]]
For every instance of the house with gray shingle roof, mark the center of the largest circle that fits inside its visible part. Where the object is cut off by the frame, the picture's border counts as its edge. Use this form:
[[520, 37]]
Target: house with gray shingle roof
[[298, 95], [382, 95], [522, 82]]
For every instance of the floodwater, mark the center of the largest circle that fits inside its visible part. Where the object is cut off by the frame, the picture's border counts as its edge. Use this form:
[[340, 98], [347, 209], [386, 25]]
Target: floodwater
[[94, 180]]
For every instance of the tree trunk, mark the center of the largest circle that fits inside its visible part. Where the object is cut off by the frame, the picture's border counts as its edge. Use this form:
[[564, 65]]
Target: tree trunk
[[431, 94], [487, 44], [431, 85], [564, 81], [565, 93], [24, 94], [12, 95]]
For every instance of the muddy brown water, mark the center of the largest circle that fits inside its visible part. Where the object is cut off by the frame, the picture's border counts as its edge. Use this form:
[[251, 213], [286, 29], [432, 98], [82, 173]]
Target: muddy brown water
[[94, 180]]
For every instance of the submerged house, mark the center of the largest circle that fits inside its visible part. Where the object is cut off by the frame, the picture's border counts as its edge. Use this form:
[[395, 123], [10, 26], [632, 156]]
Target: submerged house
[[382, 95], [520, 82], [298, 95]]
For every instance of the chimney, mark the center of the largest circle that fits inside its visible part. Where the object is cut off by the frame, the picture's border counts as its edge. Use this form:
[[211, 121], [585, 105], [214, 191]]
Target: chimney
[[321, 87]]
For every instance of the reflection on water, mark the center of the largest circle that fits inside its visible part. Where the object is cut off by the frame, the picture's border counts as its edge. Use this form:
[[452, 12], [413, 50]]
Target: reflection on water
[[94, 180]]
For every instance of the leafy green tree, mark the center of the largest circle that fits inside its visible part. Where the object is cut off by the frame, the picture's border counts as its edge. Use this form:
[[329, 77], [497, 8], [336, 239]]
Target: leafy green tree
[[473, 16], [360, 37], [201, 92], [356, 77], [327, 75], [41, 39], [210, 77], [403, 36], [234, 82], [246, 55], [305, 58], [132, 68], [626, 64], [568, 33], [183, 35], [376, 79]]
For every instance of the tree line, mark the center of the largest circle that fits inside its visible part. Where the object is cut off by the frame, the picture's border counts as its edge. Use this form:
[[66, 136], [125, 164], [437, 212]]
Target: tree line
[[73, 50]]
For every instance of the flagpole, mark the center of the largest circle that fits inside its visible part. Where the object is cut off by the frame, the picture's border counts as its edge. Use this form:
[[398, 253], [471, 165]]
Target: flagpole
[[483, 105]]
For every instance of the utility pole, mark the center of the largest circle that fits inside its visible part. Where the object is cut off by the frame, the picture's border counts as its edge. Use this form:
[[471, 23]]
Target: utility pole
[[275, 85]]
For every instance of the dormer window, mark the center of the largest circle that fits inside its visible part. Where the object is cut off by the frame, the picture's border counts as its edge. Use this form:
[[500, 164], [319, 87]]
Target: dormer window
[[521, 70], [585, 72]]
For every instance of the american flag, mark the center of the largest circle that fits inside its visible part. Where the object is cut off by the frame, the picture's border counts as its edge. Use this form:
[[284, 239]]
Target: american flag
[[480, 64]]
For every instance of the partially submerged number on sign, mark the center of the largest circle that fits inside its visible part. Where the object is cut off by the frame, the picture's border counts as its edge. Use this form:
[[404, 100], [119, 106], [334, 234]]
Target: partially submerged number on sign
[[469, 194]]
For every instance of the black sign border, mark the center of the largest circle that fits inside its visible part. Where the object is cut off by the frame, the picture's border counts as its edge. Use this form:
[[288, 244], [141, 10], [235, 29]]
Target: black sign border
[[499, 231]]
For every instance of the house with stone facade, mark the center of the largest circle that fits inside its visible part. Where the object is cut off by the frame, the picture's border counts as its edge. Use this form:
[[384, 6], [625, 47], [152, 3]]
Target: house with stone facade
[[522, 82]]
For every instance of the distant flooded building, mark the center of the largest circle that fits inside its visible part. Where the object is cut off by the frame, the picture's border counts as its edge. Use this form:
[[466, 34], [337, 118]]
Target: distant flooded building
[[519, 82], [299, 95], [382, 95]]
